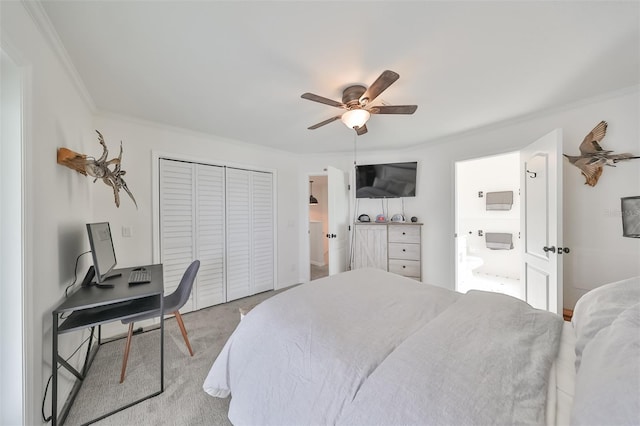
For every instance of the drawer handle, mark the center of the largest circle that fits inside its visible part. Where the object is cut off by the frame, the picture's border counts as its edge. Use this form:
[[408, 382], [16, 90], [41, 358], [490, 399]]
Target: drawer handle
[[404, 233], [404, 266], [404, 249]]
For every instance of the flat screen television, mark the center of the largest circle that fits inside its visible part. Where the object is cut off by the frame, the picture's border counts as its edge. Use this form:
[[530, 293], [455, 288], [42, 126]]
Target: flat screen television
[[390, 180], [104, 256]]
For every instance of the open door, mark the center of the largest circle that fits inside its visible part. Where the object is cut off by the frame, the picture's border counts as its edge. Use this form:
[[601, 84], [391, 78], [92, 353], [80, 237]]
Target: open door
[[338, 222], [541, 222]]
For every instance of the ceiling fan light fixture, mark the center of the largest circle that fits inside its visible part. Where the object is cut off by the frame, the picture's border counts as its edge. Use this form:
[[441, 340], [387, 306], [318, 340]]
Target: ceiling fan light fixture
[[355, 118]]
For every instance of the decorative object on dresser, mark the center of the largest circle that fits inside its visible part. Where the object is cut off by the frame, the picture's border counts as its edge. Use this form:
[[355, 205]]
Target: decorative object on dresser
[[397, 218], [393, 247], [364, 218], [98, 168]]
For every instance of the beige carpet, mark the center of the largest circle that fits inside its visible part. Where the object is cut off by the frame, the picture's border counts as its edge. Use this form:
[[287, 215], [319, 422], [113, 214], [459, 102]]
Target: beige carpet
[[183, 401]]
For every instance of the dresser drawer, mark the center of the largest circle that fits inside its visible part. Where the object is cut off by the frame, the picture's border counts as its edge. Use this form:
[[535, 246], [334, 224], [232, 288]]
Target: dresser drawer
[[404, 251], [408, 268], [404, 234]]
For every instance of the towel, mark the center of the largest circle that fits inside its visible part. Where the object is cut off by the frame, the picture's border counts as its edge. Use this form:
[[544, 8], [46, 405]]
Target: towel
[[499, 241], [499, 200]]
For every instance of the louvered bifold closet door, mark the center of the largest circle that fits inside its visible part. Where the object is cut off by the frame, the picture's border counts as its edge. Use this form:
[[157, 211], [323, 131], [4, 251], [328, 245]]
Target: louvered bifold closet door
[[210, 235], [262, 224], [177, 222], [238, 196]]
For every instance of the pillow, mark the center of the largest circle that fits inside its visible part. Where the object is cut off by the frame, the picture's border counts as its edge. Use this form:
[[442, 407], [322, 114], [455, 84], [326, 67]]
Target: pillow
[[599, 308], [607, 388]]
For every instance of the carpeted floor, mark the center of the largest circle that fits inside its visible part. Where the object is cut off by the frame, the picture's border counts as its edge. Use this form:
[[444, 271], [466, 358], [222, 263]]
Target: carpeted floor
[[183, 401]]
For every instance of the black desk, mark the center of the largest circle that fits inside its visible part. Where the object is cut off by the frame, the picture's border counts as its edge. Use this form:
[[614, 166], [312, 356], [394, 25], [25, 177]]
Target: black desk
[[93, 306]]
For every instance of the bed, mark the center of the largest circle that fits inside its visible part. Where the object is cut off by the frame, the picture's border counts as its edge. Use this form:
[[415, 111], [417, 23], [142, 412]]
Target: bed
[[369, 347]]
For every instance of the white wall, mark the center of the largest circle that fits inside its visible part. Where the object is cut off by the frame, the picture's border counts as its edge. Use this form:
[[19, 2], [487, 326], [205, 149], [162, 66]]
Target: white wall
[[58, 201], [11, 309], [592, 223]]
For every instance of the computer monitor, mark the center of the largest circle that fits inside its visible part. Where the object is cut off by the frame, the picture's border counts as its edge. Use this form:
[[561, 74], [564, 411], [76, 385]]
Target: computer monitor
[[104, 256]]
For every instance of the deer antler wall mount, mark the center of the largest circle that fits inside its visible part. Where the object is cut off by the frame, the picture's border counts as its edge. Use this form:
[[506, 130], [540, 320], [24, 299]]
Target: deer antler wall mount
[[98, 168]]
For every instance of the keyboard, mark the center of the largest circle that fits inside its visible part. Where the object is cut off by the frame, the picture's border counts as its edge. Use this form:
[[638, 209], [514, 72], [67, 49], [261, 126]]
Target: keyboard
[[139, 276]]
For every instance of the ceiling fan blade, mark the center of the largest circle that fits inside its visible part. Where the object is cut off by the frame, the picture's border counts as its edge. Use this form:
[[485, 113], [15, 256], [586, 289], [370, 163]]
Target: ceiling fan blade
[[386, 79], [322, 123], [361, 130], [322, 100], [394, 109]]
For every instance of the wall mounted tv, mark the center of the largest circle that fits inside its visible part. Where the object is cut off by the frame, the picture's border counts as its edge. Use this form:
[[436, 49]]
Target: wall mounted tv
[[390, 180]]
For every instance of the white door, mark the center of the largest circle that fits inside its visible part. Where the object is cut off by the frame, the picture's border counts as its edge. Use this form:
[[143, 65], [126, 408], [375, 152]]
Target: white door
[[338, 223], [239, 220], [192, 227], [262, 232], [541, 221], [177, 222], [209, 236]]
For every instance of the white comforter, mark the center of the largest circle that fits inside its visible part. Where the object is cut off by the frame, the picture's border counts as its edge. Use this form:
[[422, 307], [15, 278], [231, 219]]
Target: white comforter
[[370, 347]]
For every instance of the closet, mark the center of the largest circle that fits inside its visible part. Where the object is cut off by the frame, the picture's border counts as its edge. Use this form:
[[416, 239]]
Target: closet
[[222, 216]]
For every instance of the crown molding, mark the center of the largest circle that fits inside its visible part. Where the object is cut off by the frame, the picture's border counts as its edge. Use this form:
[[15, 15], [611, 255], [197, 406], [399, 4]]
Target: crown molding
[[35, 9], [164, 127], [602, 97]]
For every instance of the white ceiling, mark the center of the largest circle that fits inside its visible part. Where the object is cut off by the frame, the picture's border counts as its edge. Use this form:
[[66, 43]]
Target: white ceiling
[[237, 69]]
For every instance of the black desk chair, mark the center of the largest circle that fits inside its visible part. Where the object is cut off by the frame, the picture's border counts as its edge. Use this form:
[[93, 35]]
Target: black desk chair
[[172, 303]]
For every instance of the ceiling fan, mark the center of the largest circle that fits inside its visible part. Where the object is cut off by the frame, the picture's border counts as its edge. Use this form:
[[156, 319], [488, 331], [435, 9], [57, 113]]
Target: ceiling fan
[[356, 98]]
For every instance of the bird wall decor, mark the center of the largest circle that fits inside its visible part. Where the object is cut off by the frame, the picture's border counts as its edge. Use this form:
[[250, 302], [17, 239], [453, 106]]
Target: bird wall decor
[[98, 168], [592, 157]]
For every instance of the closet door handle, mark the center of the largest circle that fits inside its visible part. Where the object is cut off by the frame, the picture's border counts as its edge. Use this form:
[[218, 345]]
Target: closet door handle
[[551, 249]]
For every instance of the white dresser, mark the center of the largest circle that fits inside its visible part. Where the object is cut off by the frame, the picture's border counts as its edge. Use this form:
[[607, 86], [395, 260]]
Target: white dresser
[[393, 247]]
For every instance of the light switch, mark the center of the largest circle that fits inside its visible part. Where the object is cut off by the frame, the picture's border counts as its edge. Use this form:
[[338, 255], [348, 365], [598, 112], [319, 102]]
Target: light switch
[[126, 232]]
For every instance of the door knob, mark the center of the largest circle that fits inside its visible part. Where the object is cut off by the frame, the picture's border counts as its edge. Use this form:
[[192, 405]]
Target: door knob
[[551, 249]]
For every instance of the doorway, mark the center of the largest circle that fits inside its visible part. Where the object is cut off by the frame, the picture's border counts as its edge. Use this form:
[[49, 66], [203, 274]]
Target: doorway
[[488, 249], [318, 226]]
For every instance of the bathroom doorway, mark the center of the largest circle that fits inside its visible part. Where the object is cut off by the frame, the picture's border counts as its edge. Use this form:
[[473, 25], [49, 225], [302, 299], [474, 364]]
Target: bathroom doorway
[[487, 209], [318, 226]]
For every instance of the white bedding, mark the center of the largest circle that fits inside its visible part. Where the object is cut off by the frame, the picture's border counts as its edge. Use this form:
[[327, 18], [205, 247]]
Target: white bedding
[[368, 347], [562, 379]]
